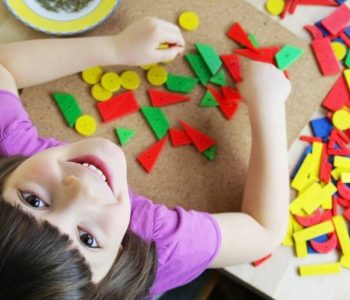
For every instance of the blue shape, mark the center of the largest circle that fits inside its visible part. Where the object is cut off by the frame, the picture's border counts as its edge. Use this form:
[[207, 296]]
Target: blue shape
[[340, 1], [347, 31], [320, 239], [300, 161], [321, 127], [322, 28], [338, 39]]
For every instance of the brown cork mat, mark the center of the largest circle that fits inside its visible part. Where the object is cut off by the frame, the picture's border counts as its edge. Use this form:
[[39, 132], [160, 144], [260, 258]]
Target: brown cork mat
[[182, 176]]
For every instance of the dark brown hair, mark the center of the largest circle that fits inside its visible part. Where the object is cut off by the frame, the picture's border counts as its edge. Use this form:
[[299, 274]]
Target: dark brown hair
[[38, 261]]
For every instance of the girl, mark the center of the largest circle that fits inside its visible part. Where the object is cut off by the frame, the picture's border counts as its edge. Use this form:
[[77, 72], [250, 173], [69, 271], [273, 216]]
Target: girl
[[81, 188]]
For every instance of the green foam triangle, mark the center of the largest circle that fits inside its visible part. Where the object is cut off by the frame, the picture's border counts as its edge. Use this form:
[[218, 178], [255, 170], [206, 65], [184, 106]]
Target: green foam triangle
[[219, 78], [199, 67], [156, 120], [210, 152], [208, 100], [124, 135], [253, 39], [181, 83], [210, 57]]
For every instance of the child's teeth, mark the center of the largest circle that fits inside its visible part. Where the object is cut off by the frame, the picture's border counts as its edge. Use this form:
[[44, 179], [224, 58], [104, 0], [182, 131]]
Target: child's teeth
[[98, 171]]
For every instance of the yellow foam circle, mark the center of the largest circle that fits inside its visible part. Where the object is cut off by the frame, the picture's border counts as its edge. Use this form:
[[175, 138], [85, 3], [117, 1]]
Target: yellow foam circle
[[157, 76], [111, 81], [99, 93], [92, 75], [275, 7], [339, 50], [189, 21], [85, 125], [147, 67], [130, 80], [341, 119]]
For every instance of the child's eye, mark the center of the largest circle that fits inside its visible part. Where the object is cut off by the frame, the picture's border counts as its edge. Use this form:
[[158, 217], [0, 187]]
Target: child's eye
[[88, 239], [33, 200]]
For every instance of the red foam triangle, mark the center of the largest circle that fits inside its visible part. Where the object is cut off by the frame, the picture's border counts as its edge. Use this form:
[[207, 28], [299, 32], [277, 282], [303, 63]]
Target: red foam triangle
[[262, 54], [237, 34], [228, 107], [179, 137], [200, 140], [232, 63], [163, 98], [338, 96], [149, 156], [118, 106]]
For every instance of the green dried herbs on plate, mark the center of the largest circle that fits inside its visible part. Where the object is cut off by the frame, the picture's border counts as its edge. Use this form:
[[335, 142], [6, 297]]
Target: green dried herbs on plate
[[65, 5]]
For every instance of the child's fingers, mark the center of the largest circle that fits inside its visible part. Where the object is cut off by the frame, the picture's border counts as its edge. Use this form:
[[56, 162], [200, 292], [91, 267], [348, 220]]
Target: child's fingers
[[169, 54], [171, 37]]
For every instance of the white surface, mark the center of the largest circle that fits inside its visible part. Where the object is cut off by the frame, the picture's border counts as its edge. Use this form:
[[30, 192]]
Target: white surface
[[278, 277]]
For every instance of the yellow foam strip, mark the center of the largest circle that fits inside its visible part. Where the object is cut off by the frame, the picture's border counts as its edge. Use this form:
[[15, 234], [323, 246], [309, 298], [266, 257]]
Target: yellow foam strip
[[313, 231], [301, 179], [345, 261], [341, 161], [316, 160], [321, 269], [313, 191], [342, 233]]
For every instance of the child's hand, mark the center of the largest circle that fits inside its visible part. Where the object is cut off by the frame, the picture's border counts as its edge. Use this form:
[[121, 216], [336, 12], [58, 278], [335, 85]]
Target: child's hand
[[139, 43], [263, 84]]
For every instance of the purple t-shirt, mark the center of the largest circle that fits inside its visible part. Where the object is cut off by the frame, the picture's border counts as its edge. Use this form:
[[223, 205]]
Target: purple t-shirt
[[186, 241]]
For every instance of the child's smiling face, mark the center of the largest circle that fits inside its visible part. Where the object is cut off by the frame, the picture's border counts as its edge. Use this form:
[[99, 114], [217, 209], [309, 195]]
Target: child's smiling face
[[91, 206]]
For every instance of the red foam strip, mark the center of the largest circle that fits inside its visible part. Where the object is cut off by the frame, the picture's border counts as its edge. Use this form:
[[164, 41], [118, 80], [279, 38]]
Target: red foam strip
[[325, 56]]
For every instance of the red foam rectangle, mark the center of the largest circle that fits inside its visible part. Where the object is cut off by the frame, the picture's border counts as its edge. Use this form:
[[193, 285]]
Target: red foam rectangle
[[325, 56], [337, 20], [338, 95]]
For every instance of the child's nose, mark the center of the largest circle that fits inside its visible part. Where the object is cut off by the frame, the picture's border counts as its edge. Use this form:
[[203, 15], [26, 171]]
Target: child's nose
[[76, 189]]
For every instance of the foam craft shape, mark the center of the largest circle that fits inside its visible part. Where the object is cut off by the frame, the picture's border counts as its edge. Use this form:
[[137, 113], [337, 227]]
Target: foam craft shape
[[179, 137], [325, 57], [230, 94], [338, 95], [210, 153], [199, 139], [343, 190], [319, 2], [157, 120], [287, 56], [321, 127], [232, 64], [68, 106], [118, 106], [266, 55], [314, 31], [149, 157], [311, 220], [237, 34], [219, 78], [227, 107], [210, 57], [261, 260], [208, 100], [199, 67], [163, 98], [180, 83], [124, 135], [337, 20]]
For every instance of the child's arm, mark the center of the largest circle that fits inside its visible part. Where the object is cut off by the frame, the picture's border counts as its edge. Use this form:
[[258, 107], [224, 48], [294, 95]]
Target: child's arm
[[261, 226], [38, 61]]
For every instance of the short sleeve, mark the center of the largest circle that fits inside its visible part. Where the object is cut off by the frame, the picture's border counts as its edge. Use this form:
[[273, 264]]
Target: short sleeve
[[186, 242], [18, 135]]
